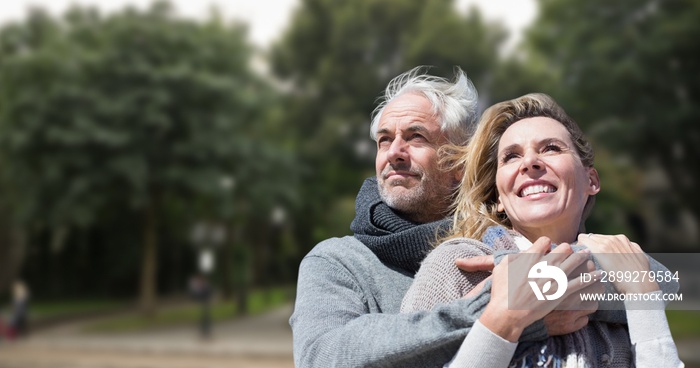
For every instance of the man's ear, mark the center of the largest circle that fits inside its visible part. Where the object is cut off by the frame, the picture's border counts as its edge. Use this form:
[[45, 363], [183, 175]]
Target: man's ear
[[593, 181], [457, 175]]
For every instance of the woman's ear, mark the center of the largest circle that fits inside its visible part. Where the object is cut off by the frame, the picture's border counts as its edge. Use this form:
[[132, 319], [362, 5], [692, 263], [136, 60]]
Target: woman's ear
[[593, 181]]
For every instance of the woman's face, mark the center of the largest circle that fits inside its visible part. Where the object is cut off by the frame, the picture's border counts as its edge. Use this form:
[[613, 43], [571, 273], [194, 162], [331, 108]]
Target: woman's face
[[542, 184]]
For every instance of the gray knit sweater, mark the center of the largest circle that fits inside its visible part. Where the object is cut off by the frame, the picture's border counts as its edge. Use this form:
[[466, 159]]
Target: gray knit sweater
[[350, 289]]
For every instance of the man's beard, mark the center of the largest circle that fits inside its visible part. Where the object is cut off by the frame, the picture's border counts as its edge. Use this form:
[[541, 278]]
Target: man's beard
[[409, 200], [424, 202]]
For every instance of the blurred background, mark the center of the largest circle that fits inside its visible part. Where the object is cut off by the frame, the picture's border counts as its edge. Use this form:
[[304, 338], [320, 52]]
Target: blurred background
[[145, 144]]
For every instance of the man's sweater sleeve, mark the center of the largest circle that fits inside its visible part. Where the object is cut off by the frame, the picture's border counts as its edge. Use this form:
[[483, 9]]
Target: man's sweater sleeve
[[439, 282], [333, 327], [483, 348]]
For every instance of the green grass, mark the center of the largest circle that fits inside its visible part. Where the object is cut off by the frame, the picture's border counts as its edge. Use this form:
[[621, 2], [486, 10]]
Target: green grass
[[684, 323], [189, 314]]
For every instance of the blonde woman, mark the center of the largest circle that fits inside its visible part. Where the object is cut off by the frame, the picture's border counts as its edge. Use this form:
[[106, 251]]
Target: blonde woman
[[528, 184]]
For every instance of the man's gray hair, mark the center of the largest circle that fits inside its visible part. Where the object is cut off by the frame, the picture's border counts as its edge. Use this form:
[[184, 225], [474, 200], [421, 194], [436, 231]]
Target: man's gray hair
[[454, 103]]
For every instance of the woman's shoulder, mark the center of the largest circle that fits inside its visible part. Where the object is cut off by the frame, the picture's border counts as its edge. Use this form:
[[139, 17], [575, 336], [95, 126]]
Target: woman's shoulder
[[460, 248]]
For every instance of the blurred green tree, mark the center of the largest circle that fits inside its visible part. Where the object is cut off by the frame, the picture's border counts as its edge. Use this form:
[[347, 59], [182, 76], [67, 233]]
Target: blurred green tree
[[13, 249], [628, 71], [131, 113], [336, 57]]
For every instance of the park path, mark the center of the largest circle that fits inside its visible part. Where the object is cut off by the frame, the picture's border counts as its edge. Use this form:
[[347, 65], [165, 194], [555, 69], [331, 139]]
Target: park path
[[263, 341], [256, 341]]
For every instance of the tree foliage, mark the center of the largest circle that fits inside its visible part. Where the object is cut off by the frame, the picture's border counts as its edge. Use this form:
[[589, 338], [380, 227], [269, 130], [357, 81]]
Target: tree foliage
[[629, 72], [119, 132], [127, 114]]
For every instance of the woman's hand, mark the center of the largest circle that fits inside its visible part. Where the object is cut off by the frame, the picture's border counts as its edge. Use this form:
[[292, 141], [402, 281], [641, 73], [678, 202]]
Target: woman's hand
[[618, 253], [512, 309]]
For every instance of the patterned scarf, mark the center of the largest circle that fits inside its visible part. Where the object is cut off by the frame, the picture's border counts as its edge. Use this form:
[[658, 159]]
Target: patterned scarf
[[571, 350]]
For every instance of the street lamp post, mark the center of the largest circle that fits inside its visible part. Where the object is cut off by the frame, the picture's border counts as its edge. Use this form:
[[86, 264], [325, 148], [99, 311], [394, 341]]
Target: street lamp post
[[206, 237]]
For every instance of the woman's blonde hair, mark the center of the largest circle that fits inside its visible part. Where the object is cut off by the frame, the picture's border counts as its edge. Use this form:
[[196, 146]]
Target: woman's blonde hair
[[475, 206]]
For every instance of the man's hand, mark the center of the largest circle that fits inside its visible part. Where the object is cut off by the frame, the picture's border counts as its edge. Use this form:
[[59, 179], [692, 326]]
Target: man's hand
[[562, 322], [574, 313]]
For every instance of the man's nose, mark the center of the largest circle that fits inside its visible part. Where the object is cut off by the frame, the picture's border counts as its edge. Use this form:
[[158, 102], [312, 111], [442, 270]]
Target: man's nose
[[398, 151]]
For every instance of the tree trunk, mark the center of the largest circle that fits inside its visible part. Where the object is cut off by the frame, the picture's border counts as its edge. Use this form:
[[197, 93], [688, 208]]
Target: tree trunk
[[149, 266], [226, 270], [12, 253], [241, 268]]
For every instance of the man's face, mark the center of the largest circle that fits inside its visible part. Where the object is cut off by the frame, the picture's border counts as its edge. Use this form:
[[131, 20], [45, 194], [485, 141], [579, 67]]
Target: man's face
[[410, 181]]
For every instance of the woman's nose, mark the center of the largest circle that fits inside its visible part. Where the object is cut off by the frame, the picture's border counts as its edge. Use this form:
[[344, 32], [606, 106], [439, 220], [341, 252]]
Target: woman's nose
[[531, 161]]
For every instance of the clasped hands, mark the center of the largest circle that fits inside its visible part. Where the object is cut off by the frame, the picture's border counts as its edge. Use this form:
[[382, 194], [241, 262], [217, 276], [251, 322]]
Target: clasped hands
[[571, 314], [560, 317]]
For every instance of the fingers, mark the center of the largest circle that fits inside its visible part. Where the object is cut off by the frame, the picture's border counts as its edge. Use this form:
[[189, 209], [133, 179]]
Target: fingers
[[574, 303], [562, 322], [585, 267], [573, 264], [590, 266], [618, 253], [636, 247], [473, 264], [563, 248], [580, 322], [589, 282], [599, 243], [543, 245], [564, 257], [584, 238]]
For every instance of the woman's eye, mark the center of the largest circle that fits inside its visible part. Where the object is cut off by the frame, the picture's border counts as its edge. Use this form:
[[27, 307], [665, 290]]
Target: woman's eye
[[508, 156], [552, 148]]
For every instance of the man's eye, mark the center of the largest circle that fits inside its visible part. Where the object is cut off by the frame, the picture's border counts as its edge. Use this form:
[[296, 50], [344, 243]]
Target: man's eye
[[383, 141]]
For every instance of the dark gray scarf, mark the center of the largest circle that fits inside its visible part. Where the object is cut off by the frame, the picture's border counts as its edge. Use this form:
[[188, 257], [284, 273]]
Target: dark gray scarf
[[396, 241]]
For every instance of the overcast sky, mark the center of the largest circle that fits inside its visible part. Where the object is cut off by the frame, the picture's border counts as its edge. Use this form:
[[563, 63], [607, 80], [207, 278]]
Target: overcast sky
[[266, 18]]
